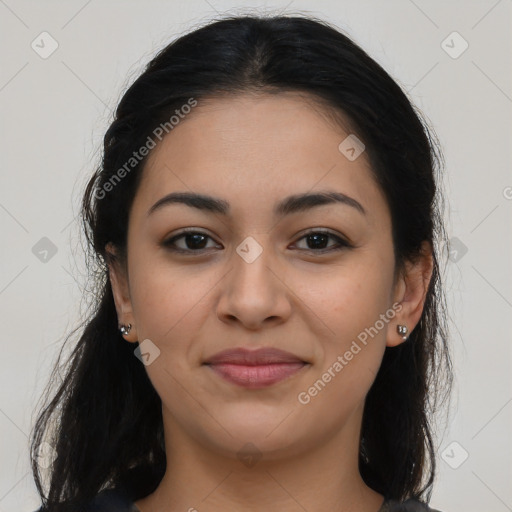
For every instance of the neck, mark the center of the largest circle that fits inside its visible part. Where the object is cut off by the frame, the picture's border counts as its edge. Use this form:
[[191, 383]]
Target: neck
[[319, 478]]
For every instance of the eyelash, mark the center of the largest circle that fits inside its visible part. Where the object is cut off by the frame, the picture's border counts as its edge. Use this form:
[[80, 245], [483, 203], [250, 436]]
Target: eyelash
[[342, 244]]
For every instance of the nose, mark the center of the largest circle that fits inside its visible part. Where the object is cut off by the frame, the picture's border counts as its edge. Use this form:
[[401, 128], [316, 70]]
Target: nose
[[254, 292]]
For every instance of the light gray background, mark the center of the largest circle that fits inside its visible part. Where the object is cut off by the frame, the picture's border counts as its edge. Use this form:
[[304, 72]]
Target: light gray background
[[54, 112]]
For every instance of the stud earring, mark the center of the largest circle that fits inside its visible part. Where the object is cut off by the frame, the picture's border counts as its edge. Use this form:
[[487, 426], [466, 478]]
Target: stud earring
[[402, 329], [125, 329]]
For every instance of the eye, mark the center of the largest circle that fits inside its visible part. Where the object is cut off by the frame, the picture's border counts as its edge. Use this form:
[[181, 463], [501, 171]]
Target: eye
[[318, 240], [194, 241]]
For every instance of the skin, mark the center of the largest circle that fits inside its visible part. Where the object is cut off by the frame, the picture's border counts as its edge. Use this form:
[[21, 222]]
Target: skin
[[252, 151]]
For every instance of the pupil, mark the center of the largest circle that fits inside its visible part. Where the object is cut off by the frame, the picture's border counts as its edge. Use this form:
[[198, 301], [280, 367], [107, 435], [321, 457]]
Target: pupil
[[196, 237], [316, 237]]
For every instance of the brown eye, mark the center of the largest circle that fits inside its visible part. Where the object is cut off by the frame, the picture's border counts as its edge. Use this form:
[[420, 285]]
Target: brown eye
[[191, 241], [317, 241]]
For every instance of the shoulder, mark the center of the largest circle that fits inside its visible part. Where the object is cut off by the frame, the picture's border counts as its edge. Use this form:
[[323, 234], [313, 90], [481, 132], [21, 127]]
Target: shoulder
[[410, 505], [108, 500]]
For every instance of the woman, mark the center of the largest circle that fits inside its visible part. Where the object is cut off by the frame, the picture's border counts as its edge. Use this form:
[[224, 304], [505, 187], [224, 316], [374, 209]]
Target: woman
[[269, 329]]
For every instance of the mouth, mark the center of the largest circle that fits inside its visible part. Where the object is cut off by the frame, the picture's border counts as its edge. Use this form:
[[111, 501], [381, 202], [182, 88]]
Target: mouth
[[255, 369]]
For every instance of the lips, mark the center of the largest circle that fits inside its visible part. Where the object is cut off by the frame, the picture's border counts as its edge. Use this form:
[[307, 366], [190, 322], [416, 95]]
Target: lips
[[253, 357], [255, 368]]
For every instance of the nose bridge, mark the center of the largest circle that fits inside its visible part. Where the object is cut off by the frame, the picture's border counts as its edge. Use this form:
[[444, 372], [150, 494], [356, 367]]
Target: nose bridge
[[252, 262]]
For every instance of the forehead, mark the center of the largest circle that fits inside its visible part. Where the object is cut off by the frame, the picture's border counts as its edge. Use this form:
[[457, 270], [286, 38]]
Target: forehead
[[254, 149]]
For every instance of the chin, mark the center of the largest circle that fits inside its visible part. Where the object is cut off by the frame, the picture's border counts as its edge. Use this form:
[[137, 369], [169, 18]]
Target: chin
[[267, 432], [251, 445]]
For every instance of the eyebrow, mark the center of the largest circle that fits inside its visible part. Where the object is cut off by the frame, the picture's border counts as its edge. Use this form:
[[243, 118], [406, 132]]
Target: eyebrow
[[287, 206]]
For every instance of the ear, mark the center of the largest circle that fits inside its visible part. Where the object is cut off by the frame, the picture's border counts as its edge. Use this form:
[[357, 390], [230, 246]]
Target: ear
[[121, 292], [410, 291]]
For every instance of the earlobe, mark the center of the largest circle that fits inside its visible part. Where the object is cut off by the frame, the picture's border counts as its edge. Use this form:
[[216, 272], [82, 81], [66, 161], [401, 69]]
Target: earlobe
[[121, 294], [411, 294]]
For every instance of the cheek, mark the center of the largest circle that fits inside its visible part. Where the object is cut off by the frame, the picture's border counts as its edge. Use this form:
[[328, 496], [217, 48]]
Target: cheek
[[171, 305], [351, 354], [353, 303], [351, 297]]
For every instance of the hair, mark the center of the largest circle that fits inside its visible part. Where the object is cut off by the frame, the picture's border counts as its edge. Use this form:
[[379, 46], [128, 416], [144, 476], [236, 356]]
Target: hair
[[109, 429]]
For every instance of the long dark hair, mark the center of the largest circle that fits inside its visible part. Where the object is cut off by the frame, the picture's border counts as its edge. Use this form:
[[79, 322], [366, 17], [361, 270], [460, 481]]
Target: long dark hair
[[107, 429]]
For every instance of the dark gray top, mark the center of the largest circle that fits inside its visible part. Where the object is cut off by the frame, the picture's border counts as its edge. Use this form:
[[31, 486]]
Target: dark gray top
[[114, 501]]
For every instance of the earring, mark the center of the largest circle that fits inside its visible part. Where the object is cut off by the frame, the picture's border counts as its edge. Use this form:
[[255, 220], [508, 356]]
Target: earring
[[125, 329], [402, 329]]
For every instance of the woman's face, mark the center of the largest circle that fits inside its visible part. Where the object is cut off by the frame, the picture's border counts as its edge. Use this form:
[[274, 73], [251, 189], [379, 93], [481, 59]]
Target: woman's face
[[251, 277]]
